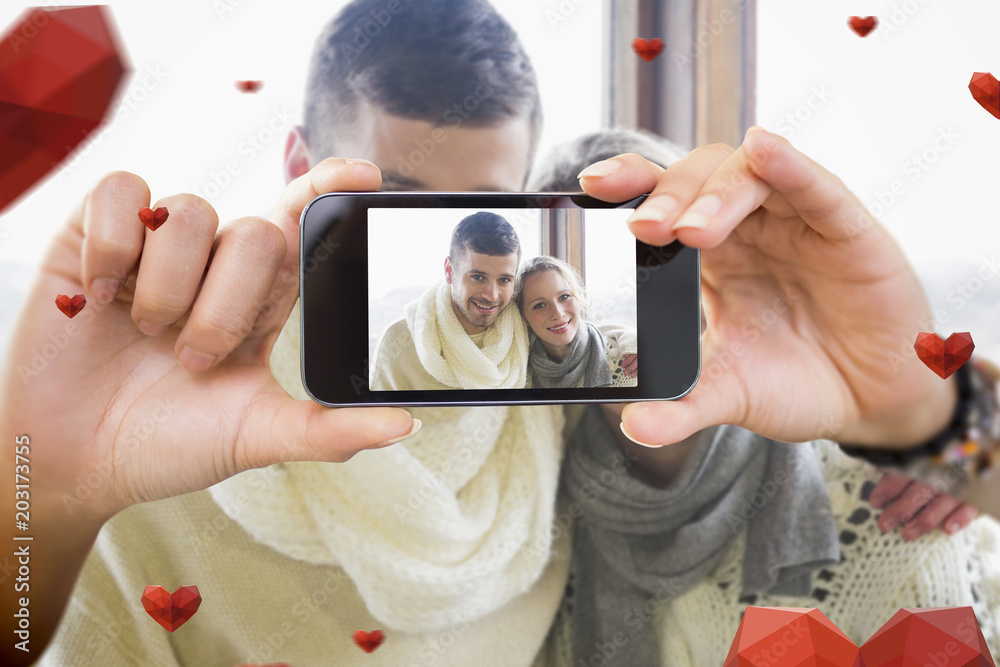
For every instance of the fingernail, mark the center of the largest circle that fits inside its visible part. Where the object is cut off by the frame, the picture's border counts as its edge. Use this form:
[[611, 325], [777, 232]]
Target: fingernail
[[416, 427], [622, 424], [105, 289], [358, 161], [698, 214], [600, 169], [195, 360], [152, 329], [951, 527], [876, 500], [657, 209]]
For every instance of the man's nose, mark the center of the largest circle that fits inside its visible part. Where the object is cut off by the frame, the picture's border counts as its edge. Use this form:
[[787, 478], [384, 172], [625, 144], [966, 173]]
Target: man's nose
[[493, 292]]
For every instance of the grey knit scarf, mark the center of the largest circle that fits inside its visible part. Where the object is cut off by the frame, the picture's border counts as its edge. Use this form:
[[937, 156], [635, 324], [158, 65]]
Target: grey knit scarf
[[634, 543], [586, 361]]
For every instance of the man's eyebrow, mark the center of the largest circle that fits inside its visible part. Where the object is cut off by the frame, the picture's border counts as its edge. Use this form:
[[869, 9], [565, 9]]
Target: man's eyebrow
[[475, 270], [399, 179]]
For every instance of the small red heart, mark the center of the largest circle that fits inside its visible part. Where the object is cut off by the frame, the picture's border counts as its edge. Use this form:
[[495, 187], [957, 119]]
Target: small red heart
[[944, 357], [986, 90], [153, 219], [249, 86], [369, 641], [647, 49], [71, 307], [171, 610], [863, 25]]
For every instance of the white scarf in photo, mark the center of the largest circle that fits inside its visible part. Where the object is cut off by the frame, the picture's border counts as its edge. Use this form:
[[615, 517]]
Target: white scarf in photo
[[450, 356]]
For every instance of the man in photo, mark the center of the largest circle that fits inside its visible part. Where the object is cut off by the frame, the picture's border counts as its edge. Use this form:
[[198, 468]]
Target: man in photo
[[460, 334]]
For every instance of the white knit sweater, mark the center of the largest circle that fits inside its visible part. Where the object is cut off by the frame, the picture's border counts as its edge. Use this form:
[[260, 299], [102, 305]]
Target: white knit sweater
[[618, 342]]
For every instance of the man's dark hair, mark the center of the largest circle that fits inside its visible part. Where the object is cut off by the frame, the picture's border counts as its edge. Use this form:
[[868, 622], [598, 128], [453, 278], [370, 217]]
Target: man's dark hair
[[417, 59], [484, 233]]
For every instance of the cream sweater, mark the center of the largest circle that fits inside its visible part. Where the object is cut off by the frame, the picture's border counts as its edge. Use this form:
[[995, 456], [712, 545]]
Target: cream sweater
[[259, 606]]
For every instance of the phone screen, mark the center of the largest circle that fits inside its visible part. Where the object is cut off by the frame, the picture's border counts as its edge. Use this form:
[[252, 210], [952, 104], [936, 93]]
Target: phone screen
[[520, 297]]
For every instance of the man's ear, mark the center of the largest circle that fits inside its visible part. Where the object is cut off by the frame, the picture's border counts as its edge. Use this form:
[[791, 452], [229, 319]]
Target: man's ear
[[297, 160], [448, 269]]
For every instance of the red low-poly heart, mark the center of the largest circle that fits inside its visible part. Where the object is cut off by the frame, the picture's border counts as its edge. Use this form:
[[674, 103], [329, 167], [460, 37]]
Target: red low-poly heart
[[944, 357], [985, 89], [369, 641], [171, 610], [249, 86], [783, 636], [647, 49], [60, 68], [928, 636], [71, 307], [153, 219], [863, 24]]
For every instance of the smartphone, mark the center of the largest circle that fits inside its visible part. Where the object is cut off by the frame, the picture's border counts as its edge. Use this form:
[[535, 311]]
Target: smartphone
[[419, 299]]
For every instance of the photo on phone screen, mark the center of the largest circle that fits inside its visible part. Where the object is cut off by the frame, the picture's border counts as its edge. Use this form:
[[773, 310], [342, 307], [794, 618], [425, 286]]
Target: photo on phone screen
[[481, 298], [500, 299]]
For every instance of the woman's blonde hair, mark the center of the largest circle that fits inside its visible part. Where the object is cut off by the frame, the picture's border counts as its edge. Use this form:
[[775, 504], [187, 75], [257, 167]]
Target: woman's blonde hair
[[547, 263]]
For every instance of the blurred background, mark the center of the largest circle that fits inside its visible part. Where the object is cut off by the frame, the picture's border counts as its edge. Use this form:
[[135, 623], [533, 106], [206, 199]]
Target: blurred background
[[890, 113]]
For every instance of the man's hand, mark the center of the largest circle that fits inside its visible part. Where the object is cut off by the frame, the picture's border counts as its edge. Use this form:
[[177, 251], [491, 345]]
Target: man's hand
[[164, 386], [807, 300]]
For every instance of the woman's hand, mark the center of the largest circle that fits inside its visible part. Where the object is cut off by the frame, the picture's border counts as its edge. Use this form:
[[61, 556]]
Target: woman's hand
[[917, 507], [630, 364], [810, 303]]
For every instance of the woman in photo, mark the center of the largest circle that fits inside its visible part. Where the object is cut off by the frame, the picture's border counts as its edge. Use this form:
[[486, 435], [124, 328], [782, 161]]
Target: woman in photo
[[566, 350]]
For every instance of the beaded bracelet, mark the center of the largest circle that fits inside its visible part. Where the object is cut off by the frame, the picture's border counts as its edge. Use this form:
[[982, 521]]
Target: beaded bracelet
[[967, 449]]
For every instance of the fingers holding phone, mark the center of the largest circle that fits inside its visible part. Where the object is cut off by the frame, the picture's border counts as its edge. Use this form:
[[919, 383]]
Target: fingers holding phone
[[202, 350]]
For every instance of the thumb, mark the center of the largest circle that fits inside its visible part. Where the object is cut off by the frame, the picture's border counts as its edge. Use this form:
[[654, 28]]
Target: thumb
[[710, 403], [330, 175], [285, 429]]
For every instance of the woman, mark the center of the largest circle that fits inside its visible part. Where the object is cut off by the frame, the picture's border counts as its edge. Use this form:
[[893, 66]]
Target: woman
[[566, 350]]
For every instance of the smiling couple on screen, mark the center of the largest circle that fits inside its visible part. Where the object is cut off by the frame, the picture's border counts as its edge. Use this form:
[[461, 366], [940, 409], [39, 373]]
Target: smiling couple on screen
[[462, 334]]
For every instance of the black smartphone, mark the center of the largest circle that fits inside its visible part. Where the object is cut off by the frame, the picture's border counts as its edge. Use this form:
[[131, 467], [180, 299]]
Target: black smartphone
[[414, 299]]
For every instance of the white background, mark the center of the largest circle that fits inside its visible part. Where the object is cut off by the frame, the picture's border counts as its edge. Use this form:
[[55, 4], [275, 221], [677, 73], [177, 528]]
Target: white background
[[180, 120]]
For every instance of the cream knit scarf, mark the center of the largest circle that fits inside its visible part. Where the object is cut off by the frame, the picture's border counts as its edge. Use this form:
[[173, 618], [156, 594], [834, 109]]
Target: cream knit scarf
[[448, 354], [433, 531]]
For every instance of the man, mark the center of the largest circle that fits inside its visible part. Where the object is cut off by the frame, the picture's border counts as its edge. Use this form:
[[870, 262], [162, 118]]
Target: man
[[165, 389], [461, 334]]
